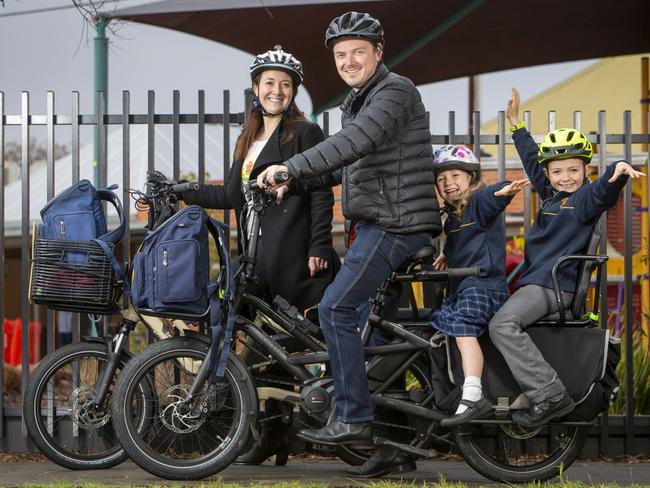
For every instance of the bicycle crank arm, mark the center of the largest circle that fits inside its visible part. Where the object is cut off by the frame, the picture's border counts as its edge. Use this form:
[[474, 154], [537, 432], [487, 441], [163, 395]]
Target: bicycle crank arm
[[265, 393]]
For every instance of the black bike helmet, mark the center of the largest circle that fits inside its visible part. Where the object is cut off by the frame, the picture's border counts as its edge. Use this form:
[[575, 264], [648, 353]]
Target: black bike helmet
[[354, 24], [277, 59]]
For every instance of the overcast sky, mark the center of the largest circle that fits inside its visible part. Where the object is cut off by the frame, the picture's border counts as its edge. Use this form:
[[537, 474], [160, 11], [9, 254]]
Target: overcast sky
[[53, 51]]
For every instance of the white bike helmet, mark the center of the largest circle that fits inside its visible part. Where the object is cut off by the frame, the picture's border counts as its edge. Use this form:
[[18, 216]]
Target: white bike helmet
[[277, 59]]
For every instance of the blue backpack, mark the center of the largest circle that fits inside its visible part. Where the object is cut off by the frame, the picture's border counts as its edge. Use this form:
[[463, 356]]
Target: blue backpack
[[69, 271], [171, 277], [77, 214]]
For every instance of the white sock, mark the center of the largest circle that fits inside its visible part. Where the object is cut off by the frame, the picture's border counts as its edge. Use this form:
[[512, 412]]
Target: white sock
[[472, 391]]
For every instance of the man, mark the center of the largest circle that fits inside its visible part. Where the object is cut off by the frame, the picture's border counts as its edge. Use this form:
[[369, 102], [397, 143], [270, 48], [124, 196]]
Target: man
[[382, 158]]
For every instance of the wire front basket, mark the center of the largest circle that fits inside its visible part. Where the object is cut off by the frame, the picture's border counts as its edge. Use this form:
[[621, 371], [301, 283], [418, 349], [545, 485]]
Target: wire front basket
[[73, 275]]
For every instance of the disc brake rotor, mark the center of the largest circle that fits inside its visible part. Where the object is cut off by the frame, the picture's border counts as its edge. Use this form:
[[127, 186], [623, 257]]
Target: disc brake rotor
[[82, 411], [176, 415]]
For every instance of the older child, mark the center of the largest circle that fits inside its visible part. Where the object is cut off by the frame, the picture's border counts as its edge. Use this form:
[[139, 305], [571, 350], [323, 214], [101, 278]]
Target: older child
[[571, 207], [475, 236]]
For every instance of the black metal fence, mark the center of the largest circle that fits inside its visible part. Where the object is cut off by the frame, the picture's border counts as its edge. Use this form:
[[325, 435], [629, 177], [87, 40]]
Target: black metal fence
[[624, 434]]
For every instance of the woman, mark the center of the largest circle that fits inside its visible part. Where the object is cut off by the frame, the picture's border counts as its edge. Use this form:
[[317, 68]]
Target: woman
[[296, 258]]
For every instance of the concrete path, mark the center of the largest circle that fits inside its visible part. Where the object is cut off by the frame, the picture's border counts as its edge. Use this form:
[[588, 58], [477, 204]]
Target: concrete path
[[325, 472]]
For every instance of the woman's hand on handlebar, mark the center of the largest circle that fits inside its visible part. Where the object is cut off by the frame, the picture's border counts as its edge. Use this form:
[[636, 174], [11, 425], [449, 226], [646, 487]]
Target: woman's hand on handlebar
[[440, 264], [267, 177]]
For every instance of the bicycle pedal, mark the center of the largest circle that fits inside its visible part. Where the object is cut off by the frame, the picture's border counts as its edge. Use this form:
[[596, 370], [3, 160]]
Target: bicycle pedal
[[416, 451]]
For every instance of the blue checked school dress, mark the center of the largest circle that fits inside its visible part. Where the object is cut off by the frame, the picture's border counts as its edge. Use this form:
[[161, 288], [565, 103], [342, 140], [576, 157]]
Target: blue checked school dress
[[468, 312]]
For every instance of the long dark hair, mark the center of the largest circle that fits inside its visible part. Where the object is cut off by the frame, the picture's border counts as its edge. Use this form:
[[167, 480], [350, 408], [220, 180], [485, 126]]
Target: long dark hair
[[255, 123]]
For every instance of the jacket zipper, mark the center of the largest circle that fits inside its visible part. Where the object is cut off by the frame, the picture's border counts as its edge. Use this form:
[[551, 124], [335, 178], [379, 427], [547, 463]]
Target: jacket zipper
[[386, 197]]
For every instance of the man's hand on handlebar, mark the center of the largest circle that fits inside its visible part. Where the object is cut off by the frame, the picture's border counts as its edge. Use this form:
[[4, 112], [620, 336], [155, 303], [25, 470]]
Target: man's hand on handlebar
[[280, 192], [269, 177]]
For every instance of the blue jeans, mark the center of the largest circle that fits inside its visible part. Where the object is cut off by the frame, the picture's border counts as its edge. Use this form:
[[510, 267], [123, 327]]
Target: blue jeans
[[370, 260]]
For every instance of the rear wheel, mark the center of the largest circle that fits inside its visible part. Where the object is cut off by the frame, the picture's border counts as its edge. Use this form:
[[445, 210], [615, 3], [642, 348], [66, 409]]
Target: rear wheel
[[511, 453]]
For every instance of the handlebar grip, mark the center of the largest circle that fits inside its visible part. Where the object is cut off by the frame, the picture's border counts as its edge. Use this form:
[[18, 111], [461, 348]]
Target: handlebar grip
[[281, 176], [463, 272], [183, 187], [434, 275]]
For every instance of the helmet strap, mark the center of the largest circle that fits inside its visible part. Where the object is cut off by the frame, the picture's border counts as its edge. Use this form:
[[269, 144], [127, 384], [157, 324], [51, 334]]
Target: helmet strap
[[257, 105]]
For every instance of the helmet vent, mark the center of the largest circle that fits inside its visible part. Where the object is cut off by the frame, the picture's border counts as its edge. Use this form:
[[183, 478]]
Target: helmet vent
[[570, 135]]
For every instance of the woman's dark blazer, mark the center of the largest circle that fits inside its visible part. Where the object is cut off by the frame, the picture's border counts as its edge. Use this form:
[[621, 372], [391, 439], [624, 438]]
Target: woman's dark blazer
[[294, 230]]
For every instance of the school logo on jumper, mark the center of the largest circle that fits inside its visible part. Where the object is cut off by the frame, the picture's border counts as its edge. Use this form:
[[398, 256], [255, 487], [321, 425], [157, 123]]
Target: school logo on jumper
[[564, 200]]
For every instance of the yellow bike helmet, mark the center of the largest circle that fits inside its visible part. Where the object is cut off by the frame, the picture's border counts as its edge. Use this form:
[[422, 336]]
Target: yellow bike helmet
[[565, 144]]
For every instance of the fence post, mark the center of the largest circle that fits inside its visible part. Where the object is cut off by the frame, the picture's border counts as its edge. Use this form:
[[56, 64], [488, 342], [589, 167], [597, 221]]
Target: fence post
[[226, 153], [126, 177], [24, 258], [627, 266], [2, 256]]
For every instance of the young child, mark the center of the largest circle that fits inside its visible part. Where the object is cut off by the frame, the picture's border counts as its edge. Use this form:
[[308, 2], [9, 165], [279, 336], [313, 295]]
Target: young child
[[571, 207], [475, 236]]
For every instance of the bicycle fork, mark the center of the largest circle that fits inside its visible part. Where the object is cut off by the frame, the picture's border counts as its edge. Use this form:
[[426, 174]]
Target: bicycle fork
[[114, 351]]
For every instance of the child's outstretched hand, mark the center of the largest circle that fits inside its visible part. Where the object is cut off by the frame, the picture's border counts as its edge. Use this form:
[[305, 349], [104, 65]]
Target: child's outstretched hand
[[512, 188], [622, 168], [440, 263], [512, 110]]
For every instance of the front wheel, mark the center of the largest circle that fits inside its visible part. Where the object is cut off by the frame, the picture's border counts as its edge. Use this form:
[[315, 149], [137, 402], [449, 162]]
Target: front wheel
[[58, 413], [510, 453], [183, 440]]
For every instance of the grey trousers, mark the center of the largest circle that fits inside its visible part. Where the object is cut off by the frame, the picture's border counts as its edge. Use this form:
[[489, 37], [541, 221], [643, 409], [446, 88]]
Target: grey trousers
[[536, 378]]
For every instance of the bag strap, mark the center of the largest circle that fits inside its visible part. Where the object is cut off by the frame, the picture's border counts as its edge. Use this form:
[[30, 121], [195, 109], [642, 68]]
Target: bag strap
[[221, 297], [116, 267], [108, 195]]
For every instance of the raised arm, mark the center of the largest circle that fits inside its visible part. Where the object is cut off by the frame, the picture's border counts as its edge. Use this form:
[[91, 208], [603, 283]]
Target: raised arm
[[526, 147], [491, 201], [603, 193]]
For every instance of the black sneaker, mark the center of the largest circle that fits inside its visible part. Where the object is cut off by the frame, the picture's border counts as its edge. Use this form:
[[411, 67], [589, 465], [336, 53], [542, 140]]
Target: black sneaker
[[542, 412]]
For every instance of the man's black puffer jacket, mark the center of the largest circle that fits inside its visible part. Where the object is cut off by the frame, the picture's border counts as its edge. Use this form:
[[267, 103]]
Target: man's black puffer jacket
[[382, 157]]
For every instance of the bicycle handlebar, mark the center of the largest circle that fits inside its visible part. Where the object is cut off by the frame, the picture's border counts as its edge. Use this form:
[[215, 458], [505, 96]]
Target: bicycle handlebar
[[183, 187], [435, 275]]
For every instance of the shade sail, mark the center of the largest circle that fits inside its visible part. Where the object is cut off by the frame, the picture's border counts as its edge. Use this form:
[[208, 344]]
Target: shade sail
[[426, 40]]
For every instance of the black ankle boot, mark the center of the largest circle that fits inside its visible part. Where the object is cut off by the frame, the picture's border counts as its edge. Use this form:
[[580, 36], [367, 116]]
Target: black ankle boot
[[384, 460], [277, 444]]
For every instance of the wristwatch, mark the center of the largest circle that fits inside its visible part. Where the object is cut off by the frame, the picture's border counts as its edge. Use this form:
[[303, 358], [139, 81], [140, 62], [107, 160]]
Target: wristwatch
[[520, 125]]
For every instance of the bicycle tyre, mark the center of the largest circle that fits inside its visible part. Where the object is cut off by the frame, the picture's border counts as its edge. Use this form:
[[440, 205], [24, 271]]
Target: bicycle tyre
[[509, 453], [95, 445], [178, 443]]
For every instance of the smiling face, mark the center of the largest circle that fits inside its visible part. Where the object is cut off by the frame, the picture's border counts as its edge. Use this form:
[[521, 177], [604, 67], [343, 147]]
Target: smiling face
[[356, 60], [452, 183], [566, 174], [275, 90]]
